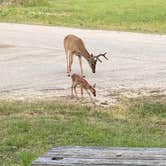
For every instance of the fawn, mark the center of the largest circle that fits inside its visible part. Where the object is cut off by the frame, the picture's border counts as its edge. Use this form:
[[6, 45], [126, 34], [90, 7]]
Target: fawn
[[78, 80]]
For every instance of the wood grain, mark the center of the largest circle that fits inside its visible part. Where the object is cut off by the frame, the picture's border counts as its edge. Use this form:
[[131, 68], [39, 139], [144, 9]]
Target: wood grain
[[72, 156]]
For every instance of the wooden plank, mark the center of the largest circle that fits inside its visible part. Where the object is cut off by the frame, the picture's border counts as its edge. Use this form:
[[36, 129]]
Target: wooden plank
[[75, 161], [102, 156], [82, 150]]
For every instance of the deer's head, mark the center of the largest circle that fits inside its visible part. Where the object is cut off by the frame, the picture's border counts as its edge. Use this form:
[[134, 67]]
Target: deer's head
[[93, 61]]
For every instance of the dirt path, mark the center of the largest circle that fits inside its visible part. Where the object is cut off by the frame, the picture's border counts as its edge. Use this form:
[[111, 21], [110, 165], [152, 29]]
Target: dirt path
[[33, 64]]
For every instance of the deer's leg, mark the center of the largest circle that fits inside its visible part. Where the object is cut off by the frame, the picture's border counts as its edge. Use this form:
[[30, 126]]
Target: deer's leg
[[67, 60], [80, 60], [70, 61]]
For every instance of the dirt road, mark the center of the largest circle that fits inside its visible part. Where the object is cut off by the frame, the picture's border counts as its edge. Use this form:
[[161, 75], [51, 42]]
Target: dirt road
[[33, 64]]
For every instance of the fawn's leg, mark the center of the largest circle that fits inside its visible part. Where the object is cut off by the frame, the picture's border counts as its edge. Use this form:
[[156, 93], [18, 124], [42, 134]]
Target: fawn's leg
[[75, 86], [90, 96], [81, 88], [72, 87]]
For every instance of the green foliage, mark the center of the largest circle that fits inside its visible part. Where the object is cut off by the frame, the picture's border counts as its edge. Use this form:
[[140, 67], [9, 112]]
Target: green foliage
[[36, 3], [126, 15], [26, 158], [150, 109], [24, 3]]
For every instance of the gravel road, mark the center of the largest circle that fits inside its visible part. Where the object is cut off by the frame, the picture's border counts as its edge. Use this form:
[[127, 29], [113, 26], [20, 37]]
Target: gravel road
[[33, 64]]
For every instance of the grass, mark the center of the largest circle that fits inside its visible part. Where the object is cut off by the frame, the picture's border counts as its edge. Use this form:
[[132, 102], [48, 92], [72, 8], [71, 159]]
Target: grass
[[29, 128], [126, 15]]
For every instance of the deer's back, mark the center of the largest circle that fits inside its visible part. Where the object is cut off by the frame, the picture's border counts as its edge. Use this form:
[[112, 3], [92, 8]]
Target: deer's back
[[73, 43]]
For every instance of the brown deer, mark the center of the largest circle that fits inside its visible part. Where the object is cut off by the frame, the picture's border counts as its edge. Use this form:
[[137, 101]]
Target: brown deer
[[78, 80], [74, 46]]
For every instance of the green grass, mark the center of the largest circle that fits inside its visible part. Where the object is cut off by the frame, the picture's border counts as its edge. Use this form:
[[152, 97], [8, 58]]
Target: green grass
[[125, 15], [29, 128]]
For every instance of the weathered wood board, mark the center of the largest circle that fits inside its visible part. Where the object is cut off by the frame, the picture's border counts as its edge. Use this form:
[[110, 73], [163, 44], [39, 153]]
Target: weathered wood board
[[72, 156]]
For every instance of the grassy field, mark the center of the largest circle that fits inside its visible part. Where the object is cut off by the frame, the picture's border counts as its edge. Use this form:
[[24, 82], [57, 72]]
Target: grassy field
[[126, 15], [29, 128]]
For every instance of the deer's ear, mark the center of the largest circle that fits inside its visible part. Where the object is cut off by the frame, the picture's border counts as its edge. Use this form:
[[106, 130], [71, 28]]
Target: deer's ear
[[94, 85]]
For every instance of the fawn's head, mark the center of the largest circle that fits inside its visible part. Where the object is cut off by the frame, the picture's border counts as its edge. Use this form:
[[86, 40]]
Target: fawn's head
[[92, 60], [93, 90]]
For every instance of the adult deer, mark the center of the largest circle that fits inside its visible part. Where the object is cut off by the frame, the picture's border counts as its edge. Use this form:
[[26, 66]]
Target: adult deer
[[79, 81], [74, 46]]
